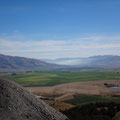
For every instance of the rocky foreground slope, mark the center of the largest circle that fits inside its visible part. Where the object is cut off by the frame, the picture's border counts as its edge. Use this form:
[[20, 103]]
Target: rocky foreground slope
[[16, 103]]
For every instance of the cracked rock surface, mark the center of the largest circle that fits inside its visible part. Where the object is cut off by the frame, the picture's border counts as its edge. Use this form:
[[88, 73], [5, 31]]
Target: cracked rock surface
[[16, 103]]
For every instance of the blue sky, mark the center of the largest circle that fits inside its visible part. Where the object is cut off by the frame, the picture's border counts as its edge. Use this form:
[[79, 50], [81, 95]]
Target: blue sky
[[48, 29]]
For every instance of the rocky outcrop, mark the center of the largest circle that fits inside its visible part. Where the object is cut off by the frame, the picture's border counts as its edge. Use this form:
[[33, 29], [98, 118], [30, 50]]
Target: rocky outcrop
[[16, 103]]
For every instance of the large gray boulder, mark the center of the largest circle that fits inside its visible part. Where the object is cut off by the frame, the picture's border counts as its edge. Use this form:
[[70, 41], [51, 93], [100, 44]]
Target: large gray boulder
[[16, 103]]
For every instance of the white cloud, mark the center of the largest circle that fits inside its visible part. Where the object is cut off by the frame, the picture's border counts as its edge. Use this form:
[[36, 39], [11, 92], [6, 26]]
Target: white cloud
[[84, 46]]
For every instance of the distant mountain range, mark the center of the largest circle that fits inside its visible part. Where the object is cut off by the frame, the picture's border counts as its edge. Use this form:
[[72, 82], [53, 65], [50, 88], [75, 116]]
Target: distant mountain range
[[14, 62], [106, 61]]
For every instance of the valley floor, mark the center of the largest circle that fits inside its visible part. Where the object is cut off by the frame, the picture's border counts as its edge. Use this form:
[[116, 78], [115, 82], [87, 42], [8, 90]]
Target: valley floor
[[66, 91]]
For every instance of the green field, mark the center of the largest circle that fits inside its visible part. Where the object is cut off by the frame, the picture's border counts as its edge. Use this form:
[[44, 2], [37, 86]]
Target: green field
[[51, 78], [85, 99]]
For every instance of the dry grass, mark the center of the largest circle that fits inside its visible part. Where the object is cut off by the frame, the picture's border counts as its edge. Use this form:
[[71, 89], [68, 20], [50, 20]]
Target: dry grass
[[68, 89], [61, 106]]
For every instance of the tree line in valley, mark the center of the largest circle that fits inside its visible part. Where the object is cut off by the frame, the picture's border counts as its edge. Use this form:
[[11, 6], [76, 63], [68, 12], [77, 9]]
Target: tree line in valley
[[93, 111]]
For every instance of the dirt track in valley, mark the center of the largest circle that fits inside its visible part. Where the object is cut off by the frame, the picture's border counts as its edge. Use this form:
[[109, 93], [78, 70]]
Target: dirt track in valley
[[88, 88]]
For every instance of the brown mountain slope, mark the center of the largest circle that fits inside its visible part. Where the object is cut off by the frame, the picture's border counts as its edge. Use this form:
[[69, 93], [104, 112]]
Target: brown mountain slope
[[14, 62]]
